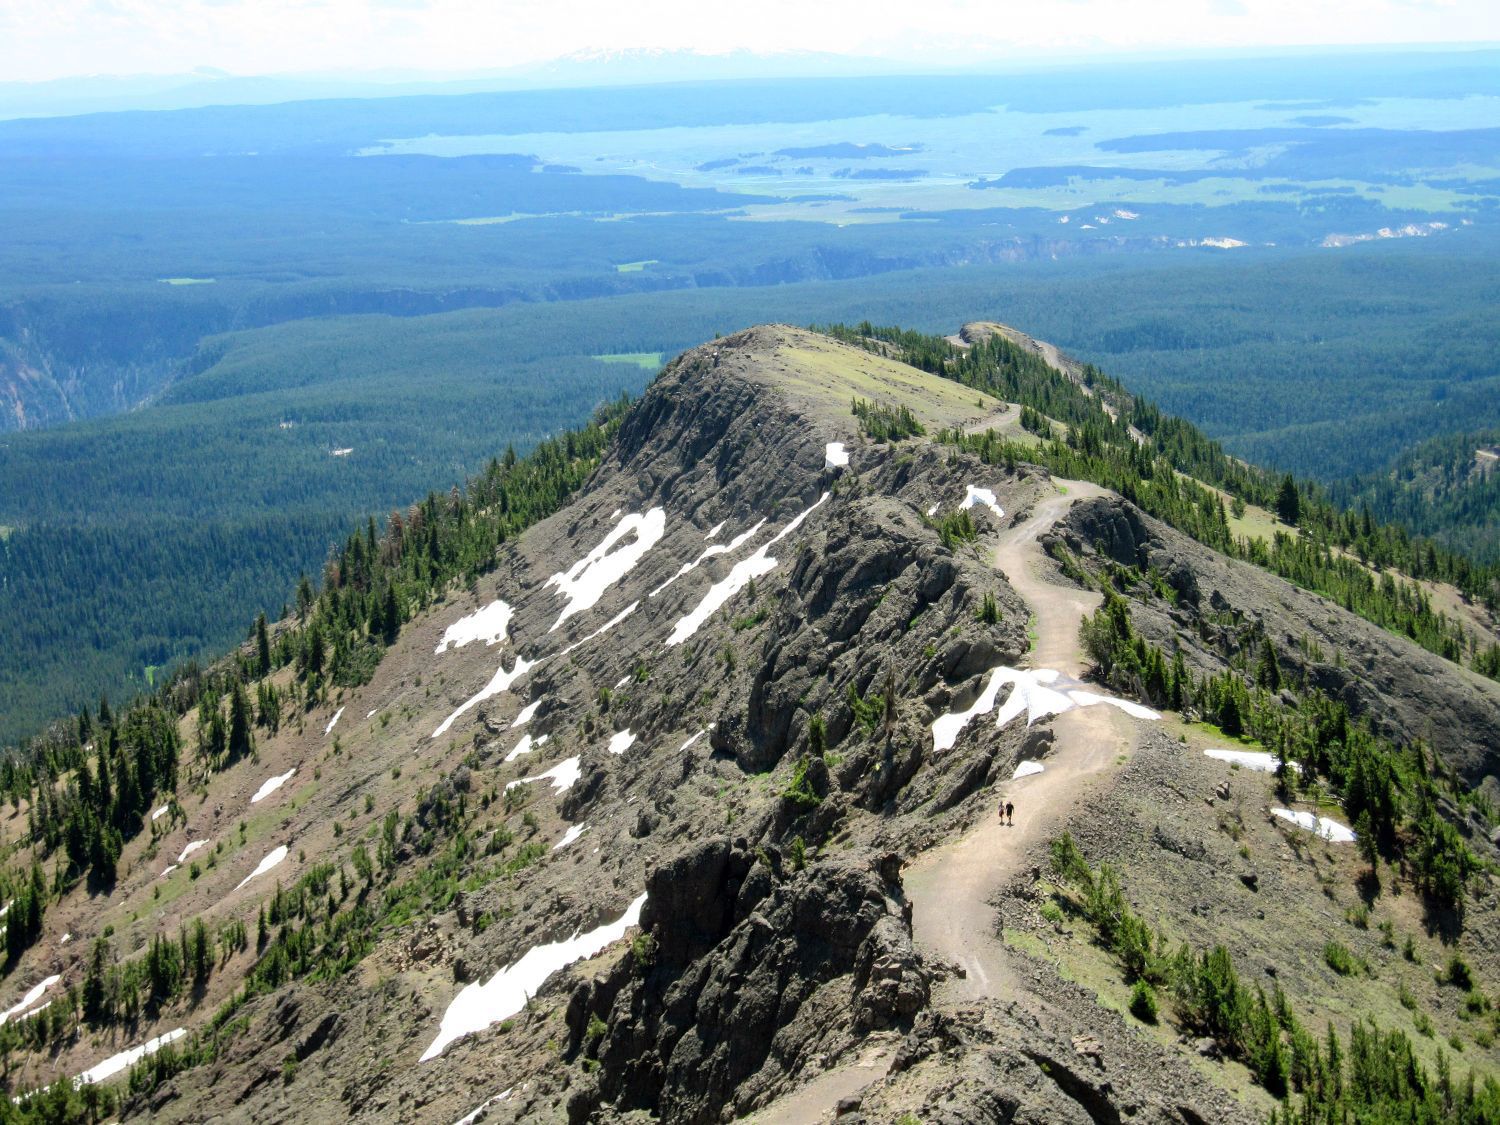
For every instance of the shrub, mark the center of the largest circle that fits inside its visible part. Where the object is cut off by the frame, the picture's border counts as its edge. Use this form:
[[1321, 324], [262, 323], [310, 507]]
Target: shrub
[[1143, 1002], [1339, 959]]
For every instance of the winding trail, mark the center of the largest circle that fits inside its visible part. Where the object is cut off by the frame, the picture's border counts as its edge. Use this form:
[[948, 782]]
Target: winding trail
[[950, 886]]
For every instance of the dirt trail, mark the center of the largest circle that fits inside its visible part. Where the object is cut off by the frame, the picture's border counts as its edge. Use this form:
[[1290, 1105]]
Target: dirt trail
[[950, 886]]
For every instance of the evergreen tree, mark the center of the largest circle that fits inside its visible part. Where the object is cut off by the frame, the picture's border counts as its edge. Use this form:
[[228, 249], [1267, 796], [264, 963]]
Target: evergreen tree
[[1289, 501]]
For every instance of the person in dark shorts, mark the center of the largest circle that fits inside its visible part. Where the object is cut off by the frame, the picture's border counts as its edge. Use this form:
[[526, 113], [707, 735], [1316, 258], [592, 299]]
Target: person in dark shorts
[[1010, 813]]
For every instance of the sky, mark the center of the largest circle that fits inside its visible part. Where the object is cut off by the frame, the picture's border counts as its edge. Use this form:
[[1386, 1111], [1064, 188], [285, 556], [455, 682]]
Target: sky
[[47, 39]]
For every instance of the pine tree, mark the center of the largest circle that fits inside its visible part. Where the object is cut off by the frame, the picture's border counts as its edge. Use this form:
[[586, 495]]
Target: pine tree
[[240, 744], [262, 646], [1288, 501]]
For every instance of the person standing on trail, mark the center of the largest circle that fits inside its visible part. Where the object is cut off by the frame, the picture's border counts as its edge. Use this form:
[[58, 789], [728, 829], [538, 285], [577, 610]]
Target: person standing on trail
[[1010, 814]]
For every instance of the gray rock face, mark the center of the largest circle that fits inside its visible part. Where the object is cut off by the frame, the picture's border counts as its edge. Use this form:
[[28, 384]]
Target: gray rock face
[[1406, 692]]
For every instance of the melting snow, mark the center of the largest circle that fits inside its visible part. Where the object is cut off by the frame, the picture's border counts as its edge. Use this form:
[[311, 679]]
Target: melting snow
[[126, 1059], [171, 867], [621, 682], [932, 511], [983, 496], [621, 742], [501, 681], [265, 865], [738, 578], [329, 728], [65, 939], [584, 583], [1330, 830], [834, 455], [157, 814], [370, 714], [272, 785], [694, 739], [506, 993], [718, 527], [1029, 693], [606, 627], [563, 776], [1026, 769], [1120, 214], [489, 625], [569, 836], [473, 1115], [1251, 759], [29, 999], [526, 746], [708, 553], [190, 849], [527, 714]]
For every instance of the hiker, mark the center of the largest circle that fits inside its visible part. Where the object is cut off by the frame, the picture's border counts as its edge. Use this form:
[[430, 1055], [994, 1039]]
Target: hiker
[[1010, 814], [1002, 810]]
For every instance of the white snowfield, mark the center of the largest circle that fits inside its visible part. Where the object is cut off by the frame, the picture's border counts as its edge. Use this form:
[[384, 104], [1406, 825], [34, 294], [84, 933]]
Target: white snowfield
[[986, 496], [1257, 760], [738, 578], [563, 776], [1029, 693], [276, 856], [584, 583], [190, 849], [503, 995], [501, 681], [490, 625], [569, 836], [271, 785], [527, 714], [1026, 769], [336, 715], [32, 996], [835, 456], [709, 552], [526, 746], [126, 1059], [1330, 830], [606, 627], [621, 742]]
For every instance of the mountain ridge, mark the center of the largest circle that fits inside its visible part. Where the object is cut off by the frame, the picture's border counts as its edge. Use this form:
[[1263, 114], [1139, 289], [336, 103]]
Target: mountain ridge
[[751, 738]]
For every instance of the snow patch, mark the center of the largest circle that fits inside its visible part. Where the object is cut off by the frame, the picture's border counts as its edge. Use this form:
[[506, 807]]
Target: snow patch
[[473, 1115], [31, 997], [490, 625], [265, 865], [713, 531], [569, 836], [932, 511], [1026, 769], [65, 939], [348, 449], [834, 455], [1029, 693], [271, 785], [1257, 760], [503, 995], [157, 814], [708, 553], [1119, 213], [126, 1059], [563, 776], [171, 867], [621, 682], [526, 746], [331, 722], [527, 714], [1330, 830], [190, 849], [584, 583], [738, 578], [501, 681], [621, 742], [975, 495], [688, 744], [606, 627]]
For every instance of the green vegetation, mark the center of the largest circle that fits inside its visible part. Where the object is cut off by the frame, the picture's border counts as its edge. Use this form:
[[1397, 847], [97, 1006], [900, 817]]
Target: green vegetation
[[882, 422], [1391, 791], [1374, 1076]]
